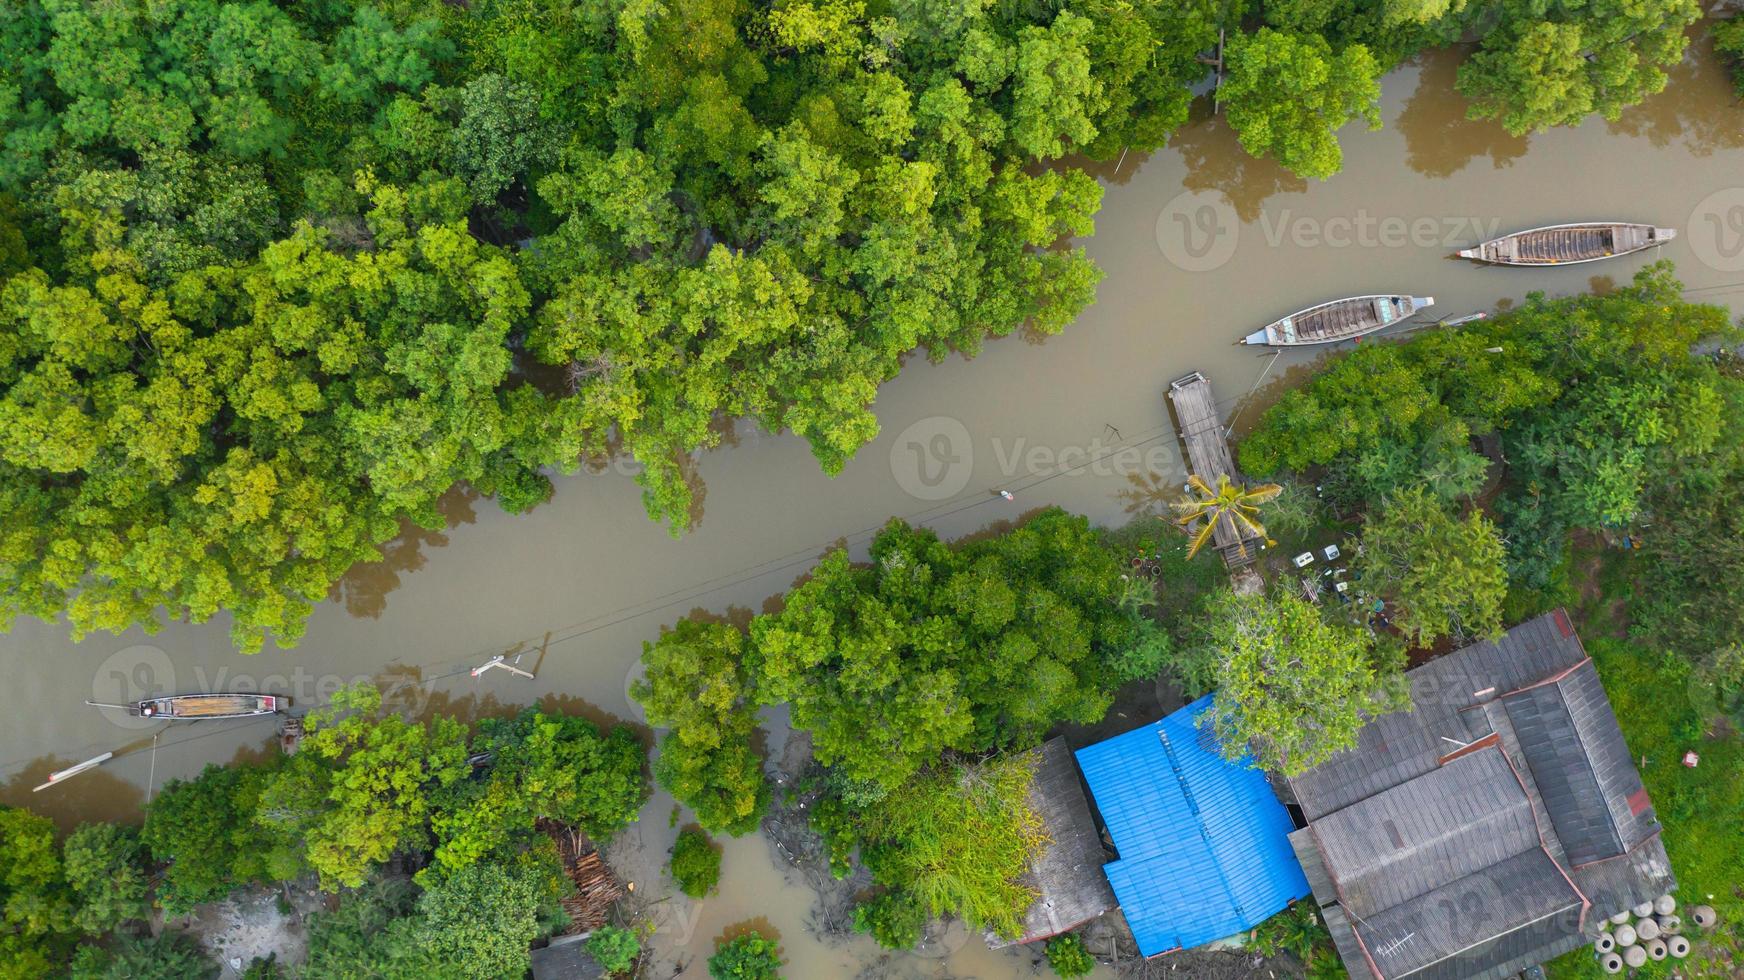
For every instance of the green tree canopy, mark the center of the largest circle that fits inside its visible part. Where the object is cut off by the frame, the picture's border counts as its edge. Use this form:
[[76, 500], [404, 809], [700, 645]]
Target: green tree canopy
[[1292, 688], [553, 767], [1287, 95], [36, 907], [746, 957], [698, 684], [1553, 64], [1445, 576], [930, 648], [362, 785], [104, 868], [959, 840]]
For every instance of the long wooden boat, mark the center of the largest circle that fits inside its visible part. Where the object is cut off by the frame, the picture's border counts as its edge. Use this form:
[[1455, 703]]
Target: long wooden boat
[[1341, 319], [1587, 241], [202, 707]]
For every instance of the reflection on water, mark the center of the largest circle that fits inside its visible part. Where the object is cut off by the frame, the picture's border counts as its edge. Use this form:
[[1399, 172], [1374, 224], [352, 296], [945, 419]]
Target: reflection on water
[[364, 589], [579, 585], [1216, 162], [89, 796], [1698, 108], [1439, 140]]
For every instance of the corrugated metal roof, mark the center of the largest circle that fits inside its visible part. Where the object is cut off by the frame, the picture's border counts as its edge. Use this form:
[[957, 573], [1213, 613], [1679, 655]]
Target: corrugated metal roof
[[1067, 874], [1204, 844], [1419, 845], [1411, 839]]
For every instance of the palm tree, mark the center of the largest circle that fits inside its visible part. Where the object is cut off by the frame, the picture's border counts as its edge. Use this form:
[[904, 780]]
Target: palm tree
[[1230, 500]]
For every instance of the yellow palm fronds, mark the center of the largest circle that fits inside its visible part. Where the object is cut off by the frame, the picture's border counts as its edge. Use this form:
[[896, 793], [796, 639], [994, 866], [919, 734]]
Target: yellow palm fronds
[[1239, 504]]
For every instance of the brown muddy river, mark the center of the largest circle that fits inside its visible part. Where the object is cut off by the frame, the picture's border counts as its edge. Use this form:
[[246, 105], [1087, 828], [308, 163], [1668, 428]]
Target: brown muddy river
[[1201, 245]]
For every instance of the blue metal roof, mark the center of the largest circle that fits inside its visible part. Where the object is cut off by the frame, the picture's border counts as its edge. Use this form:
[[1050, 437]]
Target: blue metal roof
[[1203, 842]]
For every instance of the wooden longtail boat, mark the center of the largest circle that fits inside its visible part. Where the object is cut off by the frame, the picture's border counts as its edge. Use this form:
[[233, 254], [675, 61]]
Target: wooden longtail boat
[[1341, 319], [202, 707], [1568, 244]]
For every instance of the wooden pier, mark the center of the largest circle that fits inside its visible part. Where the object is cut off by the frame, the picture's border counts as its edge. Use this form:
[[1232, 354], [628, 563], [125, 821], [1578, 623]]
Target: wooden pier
[[1208, 456]]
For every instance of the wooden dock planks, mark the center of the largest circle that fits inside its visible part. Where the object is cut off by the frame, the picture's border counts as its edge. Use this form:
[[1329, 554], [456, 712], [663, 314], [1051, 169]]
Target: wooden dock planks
[[1208, 456]]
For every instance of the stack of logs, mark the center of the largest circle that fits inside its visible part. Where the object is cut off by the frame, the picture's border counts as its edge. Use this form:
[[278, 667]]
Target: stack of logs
[[596, 887]]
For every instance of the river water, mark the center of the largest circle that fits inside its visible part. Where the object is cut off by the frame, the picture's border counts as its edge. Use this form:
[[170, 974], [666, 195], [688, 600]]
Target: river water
[[1201, 245]]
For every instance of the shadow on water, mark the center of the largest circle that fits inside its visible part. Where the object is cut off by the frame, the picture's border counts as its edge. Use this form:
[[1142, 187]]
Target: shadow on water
[[89, 796], [1698, 107], [1150, 494], [1439, 140], [364, 588], [1216, 162]]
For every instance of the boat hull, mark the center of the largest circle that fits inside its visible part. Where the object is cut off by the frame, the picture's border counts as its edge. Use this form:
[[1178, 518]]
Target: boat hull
[[1569, 244], [210, 707], [1341, 319]]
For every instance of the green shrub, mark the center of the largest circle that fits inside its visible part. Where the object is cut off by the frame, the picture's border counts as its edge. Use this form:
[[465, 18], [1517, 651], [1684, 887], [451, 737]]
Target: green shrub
[[696, 864], [749, 957], [614, 949], [895, 919], [1068, 957]]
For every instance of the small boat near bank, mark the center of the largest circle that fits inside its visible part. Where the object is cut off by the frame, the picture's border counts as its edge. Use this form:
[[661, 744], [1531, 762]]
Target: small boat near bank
[[1341, 319], [1569, 244], [202, 707]]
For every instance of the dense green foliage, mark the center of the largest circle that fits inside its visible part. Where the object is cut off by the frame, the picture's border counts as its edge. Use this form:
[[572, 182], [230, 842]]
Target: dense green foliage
[[205, 831], [35, 906], [104, 865], [898, 669], [1293, 686], [170, 955], [932, 648], [698, 685], [958, 841], [929, 648], [480, 920], [696, 864], [894, 919], [273, 277], [1693, 552], [1289, 93], [1595, 400], [1068, 957], [543, 767], [364, 787], [746, 957], [373, 933], [614, 949], [1443, 576], [267, 267], [1729, 44]]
